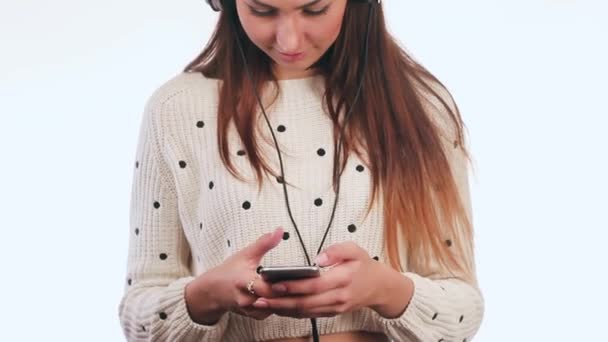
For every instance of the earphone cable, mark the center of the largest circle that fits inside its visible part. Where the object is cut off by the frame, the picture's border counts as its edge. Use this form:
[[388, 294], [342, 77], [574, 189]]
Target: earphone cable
[[336, 154]]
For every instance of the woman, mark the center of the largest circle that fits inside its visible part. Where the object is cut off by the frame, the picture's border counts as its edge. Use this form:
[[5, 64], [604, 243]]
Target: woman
[[242, 158]]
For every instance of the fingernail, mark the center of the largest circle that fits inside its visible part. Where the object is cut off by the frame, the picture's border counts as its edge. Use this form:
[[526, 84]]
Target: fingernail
[[321, 259], [279, 288], [260, 303]]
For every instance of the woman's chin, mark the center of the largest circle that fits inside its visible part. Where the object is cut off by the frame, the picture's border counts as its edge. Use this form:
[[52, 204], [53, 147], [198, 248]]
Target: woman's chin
[[287, 71]]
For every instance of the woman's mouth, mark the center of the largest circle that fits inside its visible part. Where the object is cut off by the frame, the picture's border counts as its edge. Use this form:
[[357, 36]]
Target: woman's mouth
[[291, 57]]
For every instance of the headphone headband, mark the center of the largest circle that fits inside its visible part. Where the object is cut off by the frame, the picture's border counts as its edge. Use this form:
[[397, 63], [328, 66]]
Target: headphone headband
[[216, 5]]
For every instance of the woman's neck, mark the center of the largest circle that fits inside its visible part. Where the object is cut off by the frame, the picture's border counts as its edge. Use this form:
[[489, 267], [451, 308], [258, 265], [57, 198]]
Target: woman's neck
[[281, 74]]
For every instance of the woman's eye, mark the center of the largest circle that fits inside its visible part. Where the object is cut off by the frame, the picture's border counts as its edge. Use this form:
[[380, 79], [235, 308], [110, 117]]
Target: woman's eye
[[271, 12], [261, 13], [319, 12]]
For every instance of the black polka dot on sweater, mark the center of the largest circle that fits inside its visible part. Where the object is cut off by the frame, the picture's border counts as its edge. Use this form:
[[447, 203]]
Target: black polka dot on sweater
[[321, 152], [440, 340], [136, 164], [318, 202], [240, 153], [129, 281], [162, 315], [136, 231], [352, 228], [163, 256], [448, 242], [281, 128], [143, 328], [246, 205], [156, 204], [228, 243], [376, 258], [280, 179], [211, 185], [461, 318], [464, 340], [285, 235], [200, 226], [200, 124], [360, 168], [182, 164], [434, 316]]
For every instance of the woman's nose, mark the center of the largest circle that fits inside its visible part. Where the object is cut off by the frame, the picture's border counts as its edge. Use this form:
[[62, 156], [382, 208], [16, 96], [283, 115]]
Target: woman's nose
[[288, 36]]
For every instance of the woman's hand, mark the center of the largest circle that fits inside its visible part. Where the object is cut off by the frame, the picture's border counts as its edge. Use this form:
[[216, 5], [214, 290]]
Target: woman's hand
[[224, 287], [354, 281]]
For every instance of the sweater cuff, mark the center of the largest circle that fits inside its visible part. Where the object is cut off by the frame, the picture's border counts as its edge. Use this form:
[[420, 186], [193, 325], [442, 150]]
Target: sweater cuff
[[412, 319], [182, 322]]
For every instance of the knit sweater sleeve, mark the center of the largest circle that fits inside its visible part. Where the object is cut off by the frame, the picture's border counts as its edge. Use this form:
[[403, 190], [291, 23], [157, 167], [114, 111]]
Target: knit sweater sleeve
[[153, 307], [443, 307]]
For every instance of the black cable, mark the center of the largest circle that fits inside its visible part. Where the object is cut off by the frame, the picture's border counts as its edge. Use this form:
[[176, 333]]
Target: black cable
[[315, 332]]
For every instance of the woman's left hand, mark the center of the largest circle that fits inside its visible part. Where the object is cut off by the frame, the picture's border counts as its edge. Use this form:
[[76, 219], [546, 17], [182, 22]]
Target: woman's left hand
[[355, 281]]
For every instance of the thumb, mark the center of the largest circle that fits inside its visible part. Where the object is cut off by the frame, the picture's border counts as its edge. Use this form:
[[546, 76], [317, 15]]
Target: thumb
[[264, 244], [338, 253]]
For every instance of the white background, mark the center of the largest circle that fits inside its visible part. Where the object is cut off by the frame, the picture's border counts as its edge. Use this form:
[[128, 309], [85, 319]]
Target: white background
[[529, 77]]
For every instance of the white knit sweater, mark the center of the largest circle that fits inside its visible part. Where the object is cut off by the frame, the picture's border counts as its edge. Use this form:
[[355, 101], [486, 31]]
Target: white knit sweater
[[188, 214]]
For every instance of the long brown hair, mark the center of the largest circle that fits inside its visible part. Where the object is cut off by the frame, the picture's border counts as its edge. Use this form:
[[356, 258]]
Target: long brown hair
[[392, 122]]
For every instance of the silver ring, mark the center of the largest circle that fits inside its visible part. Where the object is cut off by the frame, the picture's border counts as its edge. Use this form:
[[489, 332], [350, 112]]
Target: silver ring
[[250, 285]]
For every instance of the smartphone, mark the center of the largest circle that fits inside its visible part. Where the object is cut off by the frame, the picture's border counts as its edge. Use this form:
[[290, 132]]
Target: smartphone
[[278, 273]]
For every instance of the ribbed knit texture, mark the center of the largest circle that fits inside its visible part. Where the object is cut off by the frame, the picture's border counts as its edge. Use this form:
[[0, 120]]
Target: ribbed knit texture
[[188, 214]]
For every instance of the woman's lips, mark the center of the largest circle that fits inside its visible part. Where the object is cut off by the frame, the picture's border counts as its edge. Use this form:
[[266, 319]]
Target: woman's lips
[[291, 57]]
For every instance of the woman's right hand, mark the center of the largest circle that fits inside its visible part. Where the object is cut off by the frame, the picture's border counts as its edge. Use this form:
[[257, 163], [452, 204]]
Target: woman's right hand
[[226, 284]]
